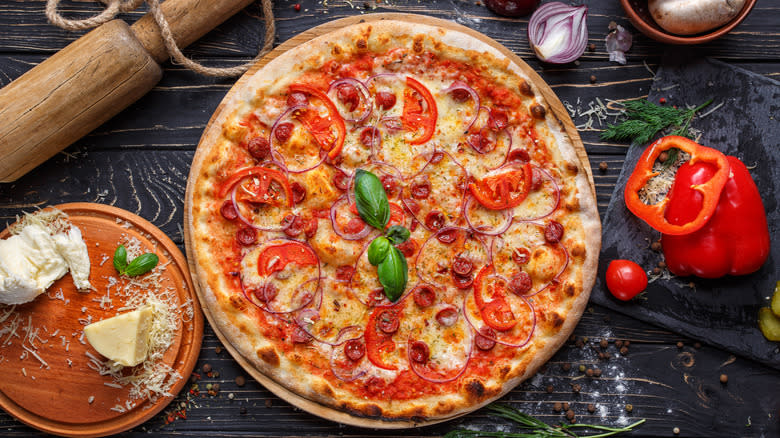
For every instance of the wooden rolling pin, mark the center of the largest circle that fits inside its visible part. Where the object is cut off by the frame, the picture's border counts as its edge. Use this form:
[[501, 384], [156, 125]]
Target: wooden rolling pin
[[91, 80]]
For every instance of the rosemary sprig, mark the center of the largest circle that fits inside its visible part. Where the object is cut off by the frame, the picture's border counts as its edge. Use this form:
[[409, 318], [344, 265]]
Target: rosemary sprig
[[537, 428], [645, 119]]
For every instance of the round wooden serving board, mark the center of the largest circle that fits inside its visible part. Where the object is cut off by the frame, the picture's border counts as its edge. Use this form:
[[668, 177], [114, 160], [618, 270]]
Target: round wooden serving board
[[56, 399], [549, 96]]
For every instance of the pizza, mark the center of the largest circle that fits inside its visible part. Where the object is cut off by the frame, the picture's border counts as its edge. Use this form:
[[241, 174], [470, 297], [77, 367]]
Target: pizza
[[485, 200]]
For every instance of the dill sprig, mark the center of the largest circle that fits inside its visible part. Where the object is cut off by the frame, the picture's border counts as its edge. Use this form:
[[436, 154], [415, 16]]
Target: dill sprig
[[536, 428], [645, 119]]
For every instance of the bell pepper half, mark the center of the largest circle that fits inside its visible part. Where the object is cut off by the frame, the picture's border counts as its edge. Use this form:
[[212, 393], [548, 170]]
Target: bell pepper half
[[734, 241], [709, 189]]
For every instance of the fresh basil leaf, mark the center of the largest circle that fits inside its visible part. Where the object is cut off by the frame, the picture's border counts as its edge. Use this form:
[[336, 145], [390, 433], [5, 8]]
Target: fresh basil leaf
[[371, 199], [393, 274], [377, 250], [120, 259], [398, 234], [142, 264]]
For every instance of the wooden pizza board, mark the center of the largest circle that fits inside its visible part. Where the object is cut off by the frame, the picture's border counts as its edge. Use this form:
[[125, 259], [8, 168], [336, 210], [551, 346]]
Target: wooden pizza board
[[56, 399], [549, 96]]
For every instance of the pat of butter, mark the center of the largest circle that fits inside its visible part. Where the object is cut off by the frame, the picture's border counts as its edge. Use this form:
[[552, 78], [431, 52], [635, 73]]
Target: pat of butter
[[123, 338]]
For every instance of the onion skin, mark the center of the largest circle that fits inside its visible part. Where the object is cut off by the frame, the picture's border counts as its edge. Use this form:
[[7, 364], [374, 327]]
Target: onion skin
[[689, 17]]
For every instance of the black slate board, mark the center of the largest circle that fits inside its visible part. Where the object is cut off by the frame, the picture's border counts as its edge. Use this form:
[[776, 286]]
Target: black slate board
[[721, 312]]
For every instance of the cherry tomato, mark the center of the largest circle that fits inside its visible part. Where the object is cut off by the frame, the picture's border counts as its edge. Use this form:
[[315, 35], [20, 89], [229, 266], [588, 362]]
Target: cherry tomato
[[625, 279]]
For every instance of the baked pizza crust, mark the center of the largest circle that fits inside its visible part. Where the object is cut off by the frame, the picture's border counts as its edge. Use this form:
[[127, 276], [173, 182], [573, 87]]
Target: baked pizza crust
[[233, 316]]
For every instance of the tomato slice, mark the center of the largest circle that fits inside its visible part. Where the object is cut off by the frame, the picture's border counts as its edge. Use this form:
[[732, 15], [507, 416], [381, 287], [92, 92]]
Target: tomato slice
[[262, 191], [322, 127], [276, 257], [377, 341], [496, 313], [414, 117], [503, 190]]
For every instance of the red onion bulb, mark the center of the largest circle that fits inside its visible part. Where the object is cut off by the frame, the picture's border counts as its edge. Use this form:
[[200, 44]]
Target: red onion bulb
[[558, 33]]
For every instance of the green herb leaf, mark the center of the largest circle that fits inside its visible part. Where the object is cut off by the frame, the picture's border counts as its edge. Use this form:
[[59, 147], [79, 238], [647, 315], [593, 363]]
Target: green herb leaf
[[645, 119], [371, 199], [393, 273], [141, 264], [377, 250], [120, 259], [398, 234]]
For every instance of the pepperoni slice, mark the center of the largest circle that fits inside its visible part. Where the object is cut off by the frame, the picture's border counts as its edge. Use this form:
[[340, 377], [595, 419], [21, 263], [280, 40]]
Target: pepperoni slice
[[284, 131], [310, 227], [462, 266], [267, 293], [354, 349], [553, 232], [536, 180], [293, 225], [344, 272], [520, 283], [484, 339], [462, 281], [460, 95], [390, 184], [497, 120], [246, 236], [481, 143], [259, 148], [370, 137], [408, 248], [519, 155], [421, 189], [521, 255], [228, 210], [299, 336], [388, 322], [348, 95], [447, 316], [297, 98], [341, 181], [447, 237], [354, 226], [412, 206], [434, 220], [298, 191], [385, 100], [419, 352], [424, 295]]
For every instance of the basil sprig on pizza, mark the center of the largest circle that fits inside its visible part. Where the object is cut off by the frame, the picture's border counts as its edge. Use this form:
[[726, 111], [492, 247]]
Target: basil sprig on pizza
[[374, 209], [390, 221]]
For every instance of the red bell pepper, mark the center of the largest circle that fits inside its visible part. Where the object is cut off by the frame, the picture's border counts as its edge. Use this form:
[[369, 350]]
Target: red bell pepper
[[709, 189], [734, 241]]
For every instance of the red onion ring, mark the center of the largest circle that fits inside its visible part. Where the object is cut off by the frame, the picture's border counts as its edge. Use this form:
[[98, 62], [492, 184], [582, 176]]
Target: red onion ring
[[363, 90], [278, 159], [508, 216], [496, 338], [460, 85], [356, 372], [343, 234], [555, 205], [421, 273], [414, 365], [244, 219], [554, 279], [300, 306], [468, 128]]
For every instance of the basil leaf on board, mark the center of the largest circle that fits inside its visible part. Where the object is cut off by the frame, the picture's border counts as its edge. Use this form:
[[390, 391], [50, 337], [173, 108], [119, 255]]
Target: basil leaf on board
[[377, 250], [141, 264], [393, 274], [120, 259], [371, 199], [398, 234]]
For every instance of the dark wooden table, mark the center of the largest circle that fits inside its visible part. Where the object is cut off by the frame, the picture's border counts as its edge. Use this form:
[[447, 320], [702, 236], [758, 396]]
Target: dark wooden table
[[139, 161]]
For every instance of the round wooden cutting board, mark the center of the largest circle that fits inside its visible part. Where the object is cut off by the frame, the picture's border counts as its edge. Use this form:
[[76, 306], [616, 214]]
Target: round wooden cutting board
[[554, 103], [66, 396]]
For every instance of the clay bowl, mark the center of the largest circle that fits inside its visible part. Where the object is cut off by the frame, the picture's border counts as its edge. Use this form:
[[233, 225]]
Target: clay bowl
[[640, 17]]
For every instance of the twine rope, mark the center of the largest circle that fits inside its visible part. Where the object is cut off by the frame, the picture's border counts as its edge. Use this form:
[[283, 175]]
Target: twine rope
[[114, 7]]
